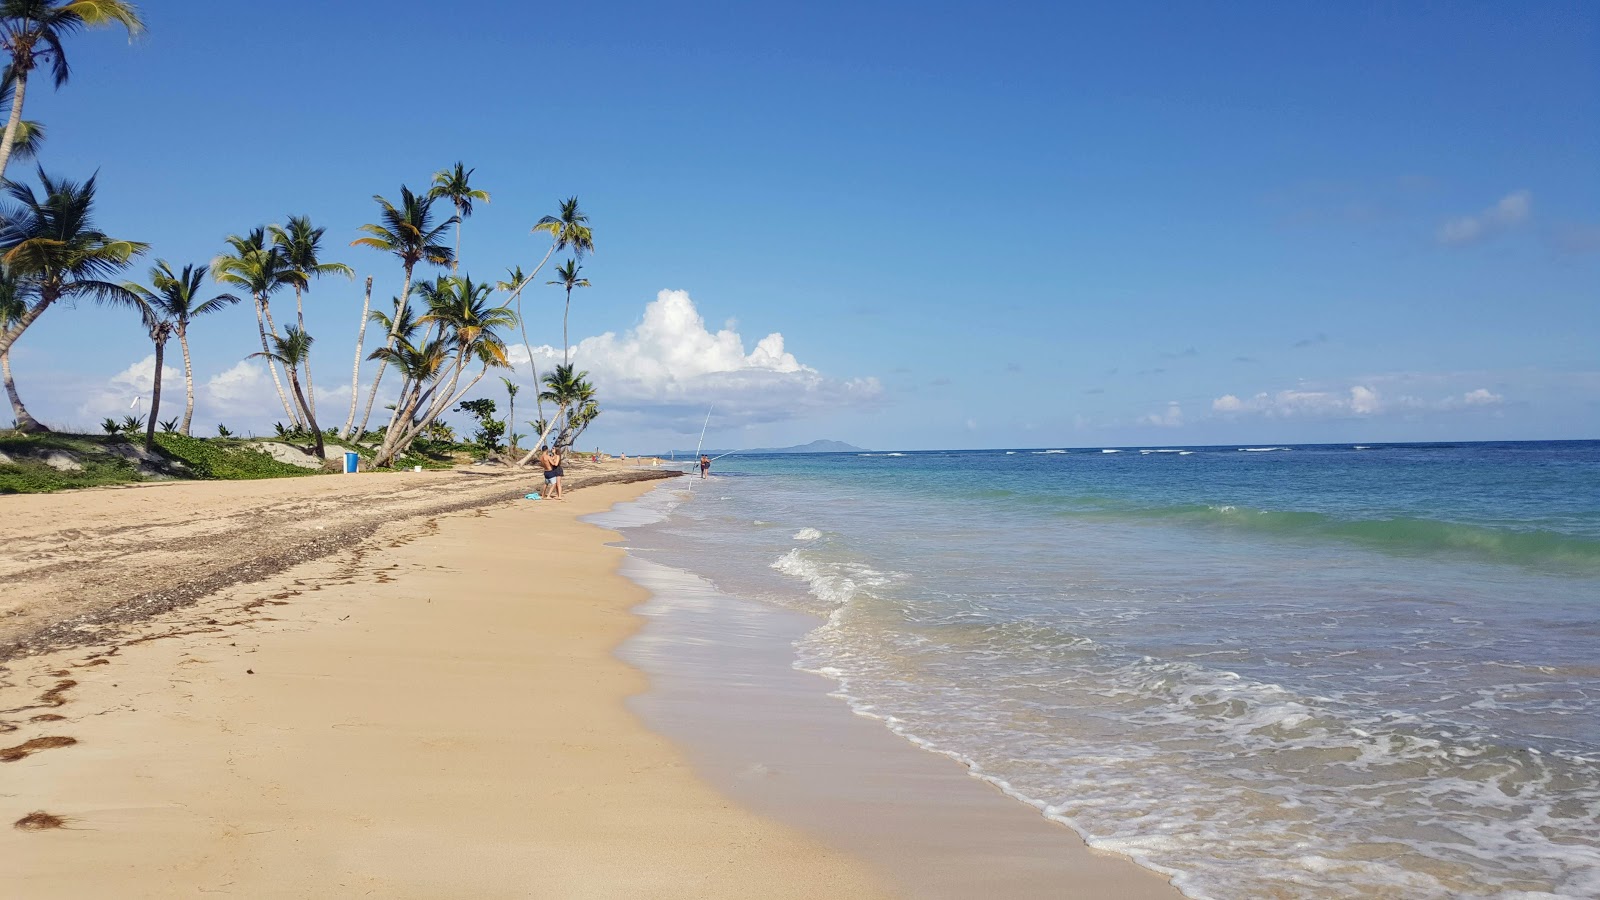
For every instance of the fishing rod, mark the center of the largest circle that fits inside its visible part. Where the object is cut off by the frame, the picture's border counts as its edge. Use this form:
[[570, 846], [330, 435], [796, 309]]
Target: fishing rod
[[701, 443]]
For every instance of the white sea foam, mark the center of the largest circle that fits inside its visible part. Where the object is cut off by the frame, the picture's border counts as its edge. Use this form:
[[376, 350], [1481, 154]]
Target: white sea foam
[[807, 534], [1262, 449], [1110, 451]]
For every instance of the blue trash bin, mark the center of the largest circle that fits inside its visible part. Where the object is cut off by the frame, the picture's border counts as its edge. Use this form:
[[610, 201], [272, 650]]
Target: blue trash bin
[[352, 462]]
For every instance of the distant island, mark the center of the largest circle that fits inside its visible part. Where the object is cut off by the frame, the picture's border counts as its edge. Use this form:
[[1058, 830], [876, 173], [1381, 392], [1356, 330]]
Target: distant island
[[813, 447]]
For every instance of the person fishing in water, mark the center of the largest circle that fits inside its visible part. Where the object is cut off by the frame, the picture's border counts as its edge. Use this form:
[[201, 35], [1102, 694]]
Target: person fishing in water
[[705, 465]]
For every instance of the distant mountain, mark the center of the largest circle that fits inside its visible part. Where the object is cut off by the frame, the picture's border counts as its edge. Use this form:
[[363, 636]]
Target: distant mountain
[[813, 447]]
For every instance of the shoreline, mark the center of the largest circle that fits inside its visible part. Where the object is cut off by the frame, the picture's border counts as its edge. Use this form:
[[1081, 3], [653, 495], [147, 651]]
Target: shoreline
[[781, 741], [428, 726]]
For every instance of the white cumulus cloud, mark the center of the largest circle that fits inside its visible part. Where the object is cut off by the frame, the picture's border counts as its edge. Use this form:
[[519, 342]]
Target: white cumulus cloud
[[1357, 401], [1511, 210], [1171, 417], [670, 364]]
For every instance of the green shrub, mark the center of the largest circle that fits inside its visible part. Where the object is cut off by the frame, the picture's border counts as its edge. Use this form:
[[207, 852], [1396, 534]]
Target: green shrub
[[225, 459]]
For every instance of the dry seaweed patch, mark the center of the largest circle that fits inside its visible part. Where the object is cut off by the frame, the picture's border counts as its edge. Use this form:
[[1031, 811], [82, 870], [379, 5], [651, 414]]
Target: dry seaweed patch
[[39, 820], [28, 748], [53, 697], [48, 717]]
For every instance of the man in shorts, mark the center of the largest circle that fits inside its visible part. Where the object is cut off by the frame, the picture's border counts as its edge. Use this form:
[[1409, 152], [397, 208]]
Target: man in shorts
[[550, 462]]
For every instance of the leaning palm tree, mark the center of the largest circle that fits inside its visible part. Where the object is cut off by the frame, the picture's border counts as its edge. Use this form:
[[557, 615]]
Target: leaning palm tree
[[14, 298], [32, 32], [262, 270], [301, 245], [569, 230], [468, 325], [567, 276], [175, 297], [290, 351], [513, 286], [51, 244], [455, 185], [161, 328], [408, 232]]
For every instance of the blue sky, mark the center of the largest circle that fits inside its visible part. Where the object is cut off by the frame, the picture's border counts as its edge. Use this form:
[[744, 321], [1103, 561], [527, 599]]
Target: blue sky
[[1029, 225]]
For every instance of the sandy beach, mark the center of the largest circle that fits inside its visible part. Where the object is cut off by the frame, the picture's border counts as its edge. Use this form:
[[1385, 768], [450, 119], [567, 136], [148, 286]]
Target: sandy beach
[[433, 708]]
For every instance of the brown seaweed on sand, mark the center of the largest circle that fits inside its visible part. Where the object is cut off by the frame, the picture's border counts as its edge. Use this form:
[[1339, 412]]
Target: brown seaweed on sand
[[39, 820], [28, 748]]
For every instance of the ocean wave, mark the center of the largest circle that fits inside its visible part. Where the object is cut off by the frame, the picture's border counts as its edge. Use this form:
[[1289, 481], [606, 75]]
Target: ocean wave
[[1262, 449], [879, 454], [807, 534], [1110, 451], [836, 582]]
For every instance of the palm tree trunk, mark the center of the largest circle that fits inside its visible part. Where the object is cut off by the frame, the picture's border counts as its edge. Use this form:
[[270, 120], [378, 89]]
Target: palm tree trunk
[[455, 261], [294, 382], [523, 325], [283, 398], [511, 424], [300, 320], [355, 373], [22, 322], [399, 313], [25, 423], [13, 124], [188, 381], [155, 397], [566, 348]]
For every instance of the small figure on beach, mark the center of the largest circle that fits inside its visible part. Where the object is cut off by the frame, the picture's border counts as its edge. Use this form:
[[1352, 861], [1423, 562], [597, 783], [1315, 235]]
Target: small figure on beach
[[550, 462], [705, 466]]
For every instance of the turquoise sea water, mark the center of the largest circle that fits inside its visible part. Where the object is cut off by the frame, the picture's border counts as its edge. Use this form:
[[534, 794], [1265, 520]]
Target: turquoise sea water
[[1311, 671]]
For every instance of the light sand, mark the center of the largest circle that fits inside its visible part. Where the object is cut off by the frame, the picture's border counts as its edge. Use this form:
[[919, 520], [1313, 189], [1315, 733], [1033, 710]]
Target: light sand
[[440, 716]]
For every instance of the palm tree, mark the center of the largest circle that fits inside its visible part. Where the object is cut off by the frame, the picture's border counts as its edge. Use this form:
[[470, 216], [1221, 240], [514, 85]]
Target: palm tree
[[290, 351], [176, 298], [301, 246], [454, 184], [355, 371], [568, 229], [261, 270], [568, 389], [468, 325], [13, 300], [567, 276], [50, 244], [161, 328], [32, 31], [511, 413], [408, 232]]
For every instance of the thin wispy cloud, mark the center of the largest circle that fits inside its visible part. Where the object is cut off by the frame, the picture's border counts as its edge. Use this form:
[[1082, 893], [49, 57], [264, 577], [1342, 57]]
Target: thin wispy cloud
[[1318, 338], [1171, 417], [1357, 401], [1510, 211]]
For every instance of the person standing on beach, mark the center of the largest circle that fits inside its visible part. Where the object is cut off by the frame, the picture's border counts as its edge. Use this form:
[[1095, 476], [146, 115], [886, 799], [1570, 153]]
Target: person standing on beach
[[550, 462], [705, 466]]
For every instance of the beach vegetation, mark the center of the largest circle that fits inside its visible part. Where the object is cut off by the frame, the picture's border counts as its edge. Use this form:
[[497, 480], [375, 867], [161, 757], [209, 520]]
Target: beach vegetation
[[33, 33], [490, 429]]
